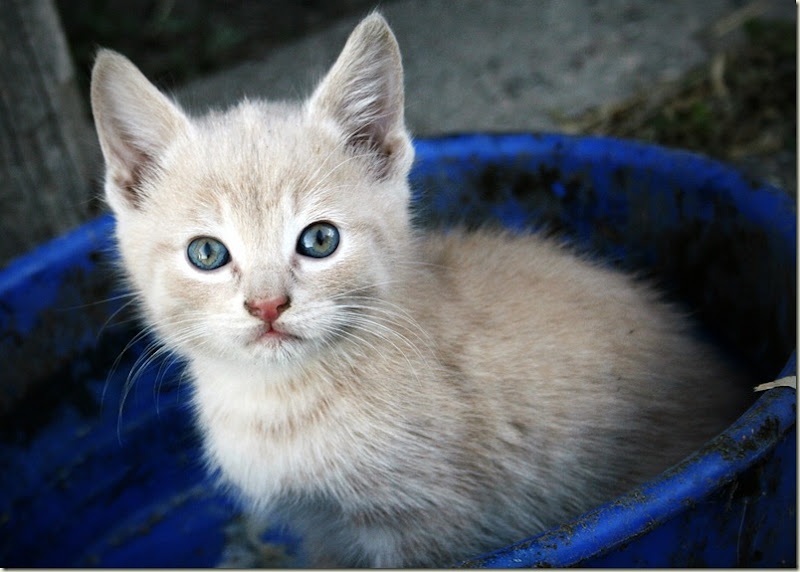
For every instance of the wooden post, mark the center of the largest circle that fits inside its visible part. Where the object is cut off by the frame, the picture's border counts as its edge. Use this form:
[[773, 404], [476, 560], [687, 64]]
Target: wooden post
[[46, 142]]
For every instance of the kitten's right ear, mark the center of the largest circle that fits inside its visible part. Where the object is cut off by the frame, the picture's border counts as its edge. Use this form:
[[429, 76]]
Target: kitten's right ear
[[135, 123], [363, 93]]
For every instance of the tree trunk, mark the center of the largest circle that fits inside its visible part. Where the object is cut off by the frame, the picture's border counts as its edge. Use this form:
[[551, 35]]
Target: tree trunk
[[46, 141]]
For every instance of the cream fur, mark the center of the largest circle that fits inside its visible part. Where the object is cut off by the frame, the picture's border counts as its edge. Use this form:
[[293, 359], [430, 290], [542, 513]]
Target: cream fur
[[443, 395]]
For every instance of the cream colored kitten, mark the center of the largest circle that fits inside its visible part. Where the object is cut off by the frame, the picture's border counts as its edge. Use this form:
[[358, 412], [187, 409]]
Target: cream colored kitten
[[401, 398]]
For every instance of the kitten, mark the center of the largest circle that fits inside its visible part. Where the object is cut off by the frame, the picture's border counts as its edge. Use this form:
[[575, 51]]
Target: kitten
[[402, 398]]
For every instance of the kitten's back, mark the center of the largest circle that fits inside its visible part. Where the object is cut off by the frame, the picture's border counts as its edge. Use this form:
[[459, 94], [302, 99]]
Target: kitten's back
[[552, 340]]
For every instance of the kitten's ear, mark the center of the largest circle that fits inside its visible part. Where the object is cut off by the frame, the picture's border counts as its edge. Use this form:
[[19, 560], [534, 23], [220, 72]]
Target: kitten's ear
[[135, 122], [363, 92]]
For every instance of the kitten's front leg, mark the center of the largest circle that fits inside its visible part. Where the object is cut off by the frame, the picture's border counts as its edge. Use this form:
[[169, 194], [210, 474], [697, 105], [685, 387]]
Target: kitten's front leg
[[341, 542], [324, 547]]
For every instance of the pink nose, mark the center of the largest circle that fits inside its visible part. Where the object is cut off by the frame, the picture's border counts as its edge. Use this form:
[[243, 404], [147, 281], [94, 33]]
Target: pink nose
[[267, 310]]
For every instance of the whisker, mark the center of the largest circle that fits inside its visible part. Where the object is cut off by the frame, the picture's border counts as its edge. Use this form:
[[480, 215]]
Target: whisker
[[114, 314], [155, 351], [96, 302], [348, 333], [401, 317], [387, 314]]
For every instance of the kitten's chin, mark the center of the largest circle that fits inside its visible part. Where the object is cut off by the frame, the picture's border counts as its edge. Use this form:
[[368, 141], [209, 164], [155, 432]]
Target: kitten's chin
[[276, 345]]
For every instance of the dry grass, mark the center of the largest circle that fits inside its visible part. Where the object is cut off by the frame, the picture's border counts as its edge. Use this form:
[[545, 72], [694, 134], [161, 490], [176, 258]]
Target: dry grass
[[738, 107]]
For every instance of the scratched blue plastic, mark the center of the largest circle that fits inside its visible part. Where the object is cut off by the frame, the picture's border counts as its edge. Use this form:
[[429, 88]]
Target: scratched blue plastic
[[127, 488]]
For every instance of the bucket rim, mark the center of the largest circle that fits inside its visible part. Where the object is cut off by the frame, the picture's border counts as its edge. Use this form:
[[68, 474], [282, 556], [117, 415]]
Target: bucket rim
[[741, 445]]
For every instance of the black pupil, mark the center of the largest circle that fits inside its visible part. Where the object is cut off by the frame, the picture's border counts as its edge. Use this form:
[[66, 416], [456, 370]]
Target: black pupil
[[321, 239], [206, 252]]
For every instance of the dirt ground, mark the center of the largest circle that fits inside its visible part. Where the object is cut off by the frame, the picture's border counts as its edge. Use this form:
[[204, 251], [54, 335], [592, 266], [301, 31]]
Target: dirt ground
[[174, 41], [739, 107]]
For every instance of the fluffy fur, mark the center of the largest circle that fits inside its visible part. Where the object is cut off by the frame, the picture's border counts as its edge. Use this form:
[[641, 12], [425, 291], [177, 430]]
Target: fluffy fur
[[430, 397]]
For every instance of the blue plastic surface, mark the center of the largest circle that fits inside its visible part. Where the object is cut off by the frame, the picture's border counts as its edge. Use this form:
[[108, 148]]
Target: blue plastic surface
[[87, 483]]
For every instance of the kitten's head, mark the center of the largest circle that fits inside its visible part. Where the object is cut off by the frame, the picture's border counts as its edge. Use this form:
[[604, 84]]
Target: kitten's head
[[265, 232]]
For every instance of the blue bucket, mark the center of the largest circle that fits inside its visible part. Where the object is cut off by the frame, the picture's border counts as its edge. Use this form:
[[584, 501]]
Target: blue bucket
[[86, 482]]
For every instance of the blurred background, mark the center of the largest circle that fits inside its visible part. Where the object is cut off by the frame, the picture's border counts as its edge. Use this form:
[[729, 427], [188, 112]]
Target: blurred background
[[717, 77]]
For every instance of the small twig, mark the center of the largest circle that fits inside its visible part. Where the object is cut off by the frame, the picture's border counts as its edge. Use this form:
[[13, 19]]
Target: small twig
[[735, 19], [718, 76], [789, 381]]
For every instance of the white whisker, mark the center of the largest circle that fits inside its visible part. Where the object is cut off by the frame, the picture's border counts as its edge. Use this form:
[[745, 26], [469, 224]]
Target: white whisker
[[156, 351]]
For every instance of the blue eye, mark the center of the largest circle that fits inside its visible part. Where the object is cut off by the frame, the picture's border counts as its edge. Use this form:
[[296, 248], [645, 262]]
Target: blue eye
[[318, 240], [207, 253]]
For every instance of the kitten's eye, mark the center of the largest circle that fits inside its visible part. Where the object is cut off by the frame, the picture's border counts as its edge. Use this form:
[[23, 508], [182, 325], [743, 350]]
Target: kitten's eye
[[318, 240], [207, 253]]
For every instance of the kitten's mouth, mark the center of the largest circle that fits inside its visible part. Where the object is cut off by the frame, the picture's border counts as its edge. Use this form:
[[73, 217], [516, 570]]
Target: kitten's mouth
[[270, 335]]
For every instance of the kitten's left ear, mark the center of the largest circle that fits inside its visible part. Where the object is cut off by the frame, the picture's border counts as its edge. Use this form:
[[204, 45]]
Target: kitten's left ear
[[363, 92], [135, 124]]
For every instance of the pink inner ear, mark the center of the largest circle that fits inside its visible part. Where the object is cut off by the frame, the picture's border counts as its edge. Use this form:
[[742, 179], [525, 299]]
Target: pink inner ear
[[380, 147]]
